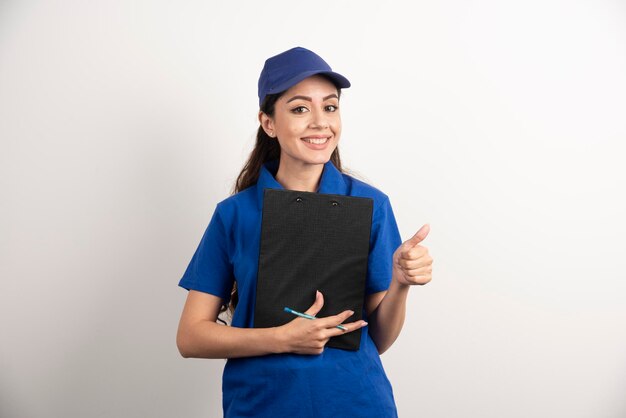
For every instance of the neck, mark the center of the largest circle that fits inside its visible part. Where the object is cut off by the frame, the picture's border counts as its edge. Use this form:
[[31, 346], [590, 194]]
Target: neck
[[299, 176]]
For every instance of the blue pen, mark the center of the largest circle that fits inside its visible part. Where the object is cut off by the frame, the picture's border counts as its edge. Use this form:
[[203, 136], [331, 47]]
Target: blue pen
[[307, 316]]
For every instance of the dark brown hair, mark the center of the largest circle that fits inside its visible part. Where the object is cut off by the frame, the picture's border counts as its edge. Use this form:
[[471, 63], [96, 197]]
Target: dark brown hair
[[265, 149]]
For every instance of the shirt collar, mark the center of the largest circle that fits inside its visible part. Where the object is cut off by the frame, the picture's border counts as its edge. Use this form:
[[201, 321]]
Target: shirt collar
[[332, 181]]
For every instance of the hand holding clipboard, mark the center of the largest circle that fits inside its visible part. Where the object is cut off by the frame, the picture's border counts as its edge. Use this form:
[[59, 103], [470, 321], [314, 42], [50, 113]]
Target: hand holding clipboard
[[310, 337]]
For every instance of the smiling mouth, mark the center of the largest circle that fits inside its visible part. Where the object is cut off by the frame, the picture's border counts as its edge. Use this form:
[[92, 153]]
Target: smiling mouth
[[316, 141]]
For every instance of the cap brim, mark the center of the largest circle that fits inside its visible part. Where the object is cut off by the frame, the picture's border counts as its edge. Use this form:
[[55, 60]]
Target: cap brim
[[337, 78]]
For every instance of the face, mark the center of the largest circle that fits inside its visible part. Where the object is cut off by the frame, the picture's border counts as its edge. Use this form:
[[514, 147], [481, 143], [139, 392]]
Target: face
[[306, 122]]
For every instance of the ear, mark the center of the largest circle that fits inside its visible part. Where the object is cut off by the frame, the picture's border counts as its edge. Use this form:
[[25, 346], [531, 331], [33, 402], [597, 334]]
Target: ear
[[267, 124]]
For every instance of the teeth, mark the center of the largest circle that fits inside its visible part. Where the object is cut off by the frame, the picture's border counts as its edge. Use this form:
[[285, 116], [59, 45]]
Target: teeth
[[316, 140]]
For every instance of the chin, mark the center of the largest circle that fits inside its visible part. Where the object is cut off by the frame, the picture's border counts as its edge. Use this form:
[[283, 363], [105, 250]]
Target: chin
[[319, 160], [324, 157]]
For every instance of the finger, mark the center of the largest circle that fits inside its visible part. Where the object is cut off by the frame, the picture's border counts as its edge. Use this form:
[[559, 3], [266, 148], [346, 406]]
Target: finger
[[422, 279], [410, 264], [317, 305], [419, 236], [352, 326], [415, 252], [334, 320], [419, 272]]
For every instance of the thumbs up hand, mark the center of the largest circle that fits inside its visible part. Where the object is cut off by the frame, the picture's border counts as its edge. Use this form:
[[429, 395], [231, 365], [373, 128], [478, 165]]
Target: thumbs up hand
[[411, 262]]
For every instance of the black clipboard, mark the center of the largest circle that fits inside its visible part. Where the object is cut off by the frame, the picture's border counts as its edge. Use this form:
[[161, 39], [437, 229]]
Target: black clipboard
[[312, 241]]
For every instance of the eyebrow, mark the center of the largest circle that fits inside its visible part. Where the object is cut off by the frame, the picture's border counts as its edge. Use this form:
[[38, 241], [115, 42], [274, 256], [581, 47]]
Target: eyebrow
[[330, 96]]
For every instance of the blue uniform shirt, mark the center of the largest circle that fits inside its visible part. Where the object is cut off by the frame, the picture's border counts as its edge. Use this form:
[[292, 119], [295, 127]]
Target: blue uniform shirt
[[336, 383]]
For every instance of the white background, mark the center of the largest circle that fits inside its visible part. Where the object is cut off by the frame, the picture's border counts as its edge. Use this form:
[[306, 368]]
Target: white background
[[502, 124]]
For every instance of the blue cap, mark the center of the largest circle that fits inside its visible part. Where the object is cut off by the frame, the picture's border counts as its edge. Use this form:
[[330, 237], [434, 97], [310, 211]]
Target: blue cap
[[288, 68]]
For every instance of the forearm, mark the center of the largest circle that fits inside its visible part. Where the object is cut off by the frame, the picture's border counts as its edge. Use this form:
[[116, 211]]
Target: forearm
[[386, 322], [207, 339]]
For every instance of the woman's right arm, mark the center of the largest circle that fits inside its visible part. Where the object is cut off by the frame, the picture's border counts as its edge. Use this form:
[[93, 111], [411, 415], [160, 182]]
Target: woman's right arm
[[200, 336]]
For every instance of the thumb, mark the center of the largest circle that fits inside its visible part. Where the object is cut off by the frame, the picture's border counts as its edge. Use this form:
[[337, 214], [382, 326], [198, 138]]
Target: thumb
[[419, 236], [317, 305]]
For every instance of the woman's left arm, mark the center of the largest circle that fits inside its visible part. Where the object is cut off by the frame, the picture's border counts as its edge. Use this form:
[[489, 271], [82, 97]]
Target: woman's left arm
[[412, 265]]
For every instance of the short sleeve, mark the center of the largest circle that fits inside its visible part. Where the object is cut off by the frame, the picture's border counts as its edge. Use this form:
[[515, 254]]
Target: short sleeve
[[384, 240], [210, 269]]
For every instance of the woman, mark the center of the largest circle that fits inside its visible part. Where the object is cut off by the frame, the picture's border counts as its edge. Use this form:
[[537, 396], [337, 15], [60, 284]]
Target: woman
[[287, 370]]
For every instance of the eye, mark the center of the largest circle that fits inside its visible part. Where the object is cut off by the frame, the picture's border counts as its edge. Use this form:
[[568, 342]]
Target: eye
[[331, 108], [299, 109]]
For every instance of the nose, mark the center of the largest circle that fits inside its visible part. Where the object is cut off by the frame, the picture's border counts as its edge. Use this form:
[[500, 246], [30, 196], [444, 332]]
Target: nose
[[319, 119]]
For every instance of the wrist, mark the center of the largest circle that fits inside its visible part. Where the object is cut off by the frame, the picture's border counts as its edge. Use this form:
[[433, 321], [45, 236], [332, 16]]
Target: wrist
[[398, 286], [278, 343]]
